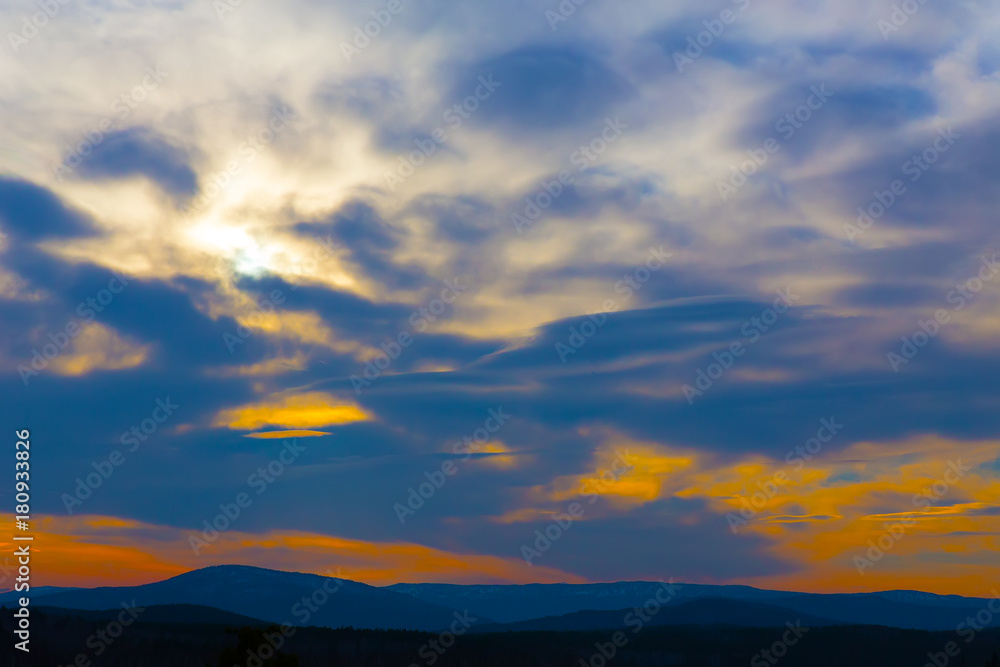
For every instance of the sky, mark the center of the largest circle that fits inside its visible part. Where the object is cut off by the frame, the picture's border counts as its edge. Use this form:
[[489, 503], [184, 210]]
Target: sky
[[505, 292]]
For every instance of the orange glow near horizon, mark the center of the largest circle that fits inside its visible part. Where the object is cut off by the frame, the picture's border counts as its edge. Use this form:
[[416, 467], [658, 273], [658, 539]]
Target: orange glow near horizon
[[90, 551]]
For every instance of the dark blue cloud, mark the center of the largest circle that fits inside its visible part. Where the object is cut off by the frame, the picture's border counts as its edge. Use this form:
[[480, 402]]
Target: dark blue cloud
[[959, 184], [463, 220], [585, 196], [665, 346], [988, 59], [884, 106], [909, 60], [805, 133], [359, 228], [373, 324], [888, 295], [731, 47], [544, 88], [32, 213], [139, 151], [787, 237]]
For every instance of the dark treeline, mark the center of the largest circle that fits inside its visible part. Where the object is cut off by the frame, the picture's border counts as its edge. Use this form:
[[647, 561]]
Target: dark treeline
[[61, 640]]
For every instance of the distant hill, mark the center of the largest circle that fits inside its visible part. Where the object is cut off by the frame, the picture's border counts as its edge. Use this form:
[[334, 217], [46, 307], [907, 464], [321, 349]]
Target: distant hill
[[176, 614], [512, 603], [36, 592], [705, 612], [269, 595], [277, 597]]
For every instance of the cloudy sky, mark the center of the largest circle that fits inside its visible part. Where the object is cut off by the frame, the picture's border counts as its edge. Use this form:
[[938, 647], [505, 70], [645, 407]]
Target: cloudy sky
[[702, 290]]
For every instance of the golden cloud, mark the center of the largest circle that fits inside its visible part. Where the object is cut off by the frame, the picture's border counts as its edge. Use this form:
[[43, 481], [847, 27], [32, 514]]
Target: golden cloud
[[298, 411]]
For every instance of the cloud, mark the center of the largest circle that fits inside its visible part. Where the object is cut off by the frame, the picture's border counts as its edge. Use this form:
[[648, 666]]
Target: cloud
[[204, 276], [139, 151], [545, 88], [271, 435], [99, 348], [299, 410], [33, 213]]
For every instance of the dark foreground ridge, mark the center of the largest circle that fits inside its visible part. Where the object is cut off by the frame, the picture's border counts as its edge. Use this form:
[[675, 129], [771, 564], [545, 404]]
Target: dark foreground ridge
[[168, 636]]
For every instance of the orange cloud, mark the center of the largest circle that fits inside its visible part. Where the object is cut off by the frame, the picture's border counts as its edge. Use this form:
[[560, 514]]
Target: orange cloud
[[820, 513], [299, 411], [267, 435], [98, 347], [625, 473]]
